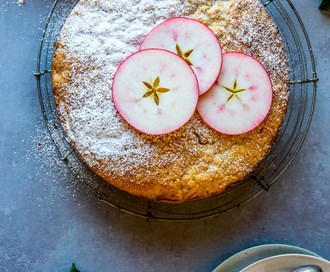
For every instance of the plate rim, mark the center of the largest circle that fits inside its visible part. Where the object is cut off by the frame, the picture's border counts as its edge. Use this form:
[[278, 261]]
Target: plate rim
[[288, 256], [258, 249]]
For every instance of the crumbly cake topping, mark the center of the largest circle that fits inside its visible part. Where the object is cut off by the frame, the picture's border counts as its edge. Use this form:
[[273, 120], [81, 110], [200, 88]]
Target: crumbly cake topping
[[99, 35]]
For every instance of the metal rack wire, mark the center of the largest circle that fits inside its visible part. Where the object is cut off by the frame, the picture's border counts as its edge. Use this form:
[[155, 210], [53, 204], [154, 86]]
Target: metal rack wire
[[303, 79]]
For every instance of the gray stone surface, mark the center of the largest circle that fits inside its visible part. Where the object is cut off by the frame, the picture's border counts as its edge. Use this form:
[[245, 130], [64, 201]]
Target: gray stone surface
[[47, 220]]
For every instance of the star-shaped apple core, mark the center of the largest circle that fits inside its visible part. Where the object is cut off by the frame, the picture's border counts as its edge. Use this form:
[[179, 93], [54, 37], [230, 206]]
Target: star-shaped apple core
[[153, 89], [234, 91], [184, 55]]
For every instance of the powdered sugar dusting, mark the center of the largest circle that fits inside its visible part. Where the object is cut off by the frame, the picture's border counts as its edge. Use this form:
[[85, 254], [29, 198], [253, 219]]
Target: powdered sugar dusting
[[98, 36], [103, 35], [42, 150]]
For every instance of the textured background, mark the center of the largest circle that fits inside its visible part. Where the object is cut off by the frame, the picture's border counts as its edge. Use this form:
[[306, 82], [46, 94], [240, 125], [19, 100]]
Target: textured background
[[47, 220]]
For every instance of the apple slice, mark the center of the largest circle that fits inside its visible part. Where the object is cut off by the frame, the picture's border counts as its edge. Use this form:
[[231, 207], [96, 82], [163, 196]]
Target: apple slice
[[241, 97], [155, 91], [194, 42]]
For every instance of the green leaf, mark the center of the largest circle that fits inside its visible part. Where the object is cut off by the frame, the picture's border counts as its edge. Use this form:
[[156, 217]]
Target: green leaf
[[325, 5], [156, 99], [73, 268], [178, 50], [147, 94], [162, 90], [156, 82], [147, 84]]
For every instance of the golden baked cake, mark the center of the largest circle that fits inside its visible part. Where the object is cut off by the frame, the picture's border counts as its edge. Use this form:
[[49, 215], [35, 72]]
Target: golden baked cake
[[192, 163]]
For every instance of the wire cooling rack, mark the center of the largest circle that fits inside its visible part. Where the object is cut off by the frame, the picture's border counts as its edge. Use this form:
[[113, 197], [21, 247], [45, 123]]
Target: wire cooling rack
[[302, 98]]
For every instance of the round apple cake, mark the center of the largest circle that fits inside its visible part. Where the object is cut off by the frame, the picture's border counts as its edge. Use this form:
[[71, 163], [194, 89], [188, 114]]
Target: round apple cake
[[192, 163]]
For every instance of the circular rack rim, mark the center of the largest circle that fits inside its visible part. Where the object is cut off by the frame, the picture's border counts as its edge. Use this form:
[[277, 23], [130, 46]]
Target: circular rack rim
[[245, 190]]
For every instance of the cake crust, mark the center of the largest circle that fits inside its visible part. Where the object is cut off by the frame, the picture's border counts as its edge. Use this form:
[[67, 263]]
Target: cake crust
[[192, 163]]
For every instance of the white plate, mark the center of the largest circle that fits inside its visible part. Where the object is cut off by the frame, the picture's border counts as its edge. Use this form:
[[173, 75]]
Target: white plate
[[251, 255], [286, 263]]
